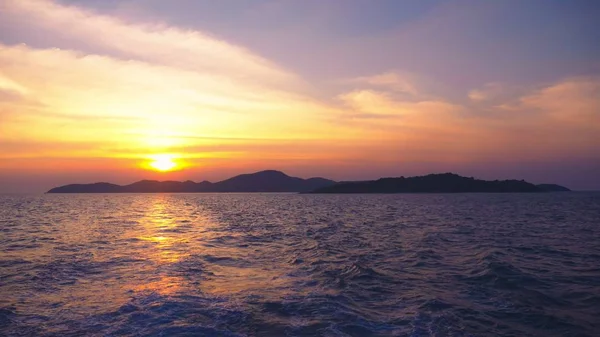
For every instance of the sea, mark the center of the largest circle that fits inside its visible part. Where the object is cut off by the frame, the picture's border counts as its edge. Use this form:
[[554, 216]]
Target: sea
[[300, 265]]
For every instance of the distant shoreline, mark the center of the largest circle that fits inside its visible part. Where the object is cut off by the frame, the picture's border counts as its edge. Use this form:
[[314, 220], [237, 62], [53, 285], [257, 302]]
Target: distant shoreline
[[272, 181]]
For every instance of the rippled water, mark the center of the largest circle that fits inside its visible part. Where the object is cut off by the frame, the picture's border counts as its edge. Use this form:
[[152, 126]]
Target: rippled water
[[300, 265]]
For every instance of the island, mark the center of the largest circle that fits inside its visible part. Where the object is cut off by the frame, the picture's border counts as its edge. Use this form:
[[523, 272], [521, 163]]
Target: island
[[277, 181], [438, 183], [263, 181], [552, 188]]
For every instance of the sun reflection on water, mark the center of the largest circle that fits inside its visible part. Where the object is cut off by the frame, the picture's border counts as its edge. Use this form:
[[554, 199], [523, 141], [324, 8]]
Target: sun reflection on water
[[177, 241], [137, 245], [165, 285]]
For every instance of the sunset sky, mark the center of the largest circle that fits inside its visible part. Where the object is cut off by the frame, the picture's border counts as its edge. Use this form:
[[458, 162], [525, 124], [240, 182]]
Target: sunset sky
[[99, 90]]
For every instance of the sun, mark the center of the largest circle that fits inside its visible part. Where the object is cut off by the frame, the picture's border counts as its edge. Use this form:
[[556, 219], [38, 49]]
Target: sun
[[163, 163]]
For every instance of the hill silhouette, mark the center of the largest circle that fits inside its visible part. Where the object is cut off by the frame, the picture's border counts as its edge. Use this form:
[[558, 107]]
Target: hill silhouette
[[263, 181], [271, 181], [434, 183], [553, 188], [277, 181]]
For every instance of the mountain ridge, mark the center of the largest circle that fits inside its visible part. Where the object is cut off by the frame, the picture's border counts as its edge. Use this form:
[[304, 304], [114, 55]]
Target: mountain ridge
[[261, 181], [277, 181]]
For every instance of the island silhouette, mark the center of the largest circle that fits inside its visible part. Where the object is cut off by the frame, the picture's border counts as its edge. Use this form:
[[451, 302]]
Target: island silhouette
[[438, 183], [277, 181]]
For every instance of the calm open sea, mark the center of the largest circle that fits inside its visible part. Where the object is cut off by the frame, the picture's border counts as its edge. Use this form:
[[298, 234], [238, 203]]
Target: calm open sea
[[300, 265]]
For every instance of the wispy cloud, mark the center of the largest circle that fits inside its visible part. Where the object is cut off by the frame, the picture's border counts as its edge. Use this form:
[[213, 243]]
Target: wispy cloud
[[574, 100], [10, 86], [488, 92], [154, 43], [552, 121], [91, 97], [389, 81], [141, 84], [376, 103]]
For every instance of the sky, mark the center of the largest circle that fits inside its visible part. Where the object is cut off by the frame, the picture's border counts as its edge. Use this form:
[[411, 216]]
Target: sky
[[100, 90]]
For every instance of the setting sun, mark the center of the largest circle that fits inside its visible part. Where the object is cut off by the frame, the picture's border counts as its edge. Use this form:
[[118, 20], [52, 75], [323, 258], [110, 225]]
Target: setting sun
[[163, 163]]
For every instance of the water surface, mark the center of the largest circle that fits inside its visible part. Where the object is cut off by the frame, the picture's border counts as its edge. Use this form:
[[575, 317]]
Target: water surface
[[300, 265]]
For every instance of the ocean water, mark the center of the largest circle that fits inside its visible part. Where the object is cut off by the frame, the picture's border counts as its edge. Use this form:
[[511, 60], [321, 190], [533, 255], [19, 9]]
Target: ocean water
[[300, 265]]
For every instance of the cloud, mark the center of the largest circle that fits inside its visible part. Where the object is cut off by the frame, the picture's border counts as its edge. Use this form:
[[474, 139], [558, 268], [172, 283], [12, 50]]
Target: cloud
[[376, 103], [122, 90], [389, 81], [574, 100], [559, 120], [92, 97], [488, 92], [419, 131], [154, 43], [9, 86]]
